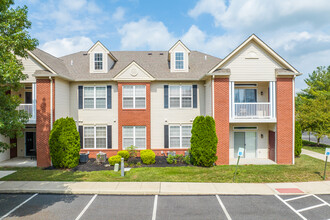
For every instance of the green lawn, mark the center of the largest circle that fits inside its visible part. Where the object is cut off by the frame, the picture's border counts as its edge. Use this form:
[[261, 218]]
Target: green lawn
[[305, 169], [313, 147]]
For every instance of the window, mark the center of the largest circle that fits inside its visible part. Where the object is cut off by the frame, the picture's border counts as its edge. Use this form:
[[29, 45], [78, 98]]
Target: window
[[134, 97], [180, 96], [245, 95], [180, 136], [134, 135], [95, 97], [95, 137], [98, 61], [179, 60]]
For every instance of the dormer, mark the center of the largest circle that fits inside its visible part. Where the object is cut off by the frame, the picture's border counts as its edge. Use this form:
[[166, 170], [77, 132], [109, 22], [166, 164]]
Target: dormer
[[101, 59], [178, 57]]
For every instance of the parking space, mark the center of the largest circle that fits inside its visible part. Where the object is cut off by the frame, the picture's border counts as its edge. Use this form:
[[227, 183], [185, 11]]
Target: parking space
[[52, 206]]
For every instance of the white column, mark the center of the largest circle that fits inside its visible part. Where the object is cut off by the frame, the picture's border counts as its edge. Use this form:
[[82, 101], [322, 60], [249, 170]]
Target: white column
[[271, 98], [34, 101]]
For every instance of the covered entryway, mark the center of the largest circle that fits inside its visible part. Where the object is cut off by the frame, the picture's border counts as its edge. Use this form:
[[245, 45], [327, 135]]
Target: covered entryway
[[30, 144], [246, 140]]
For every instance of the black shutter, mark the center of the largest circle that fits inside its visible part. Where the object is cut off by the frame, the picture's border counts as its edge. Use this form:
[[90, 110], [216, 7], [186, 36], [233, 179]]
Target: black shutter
[[109, 97], [165, 136], [80, 97], [109, 128], [81, 134], [165, 96], [194, 96]]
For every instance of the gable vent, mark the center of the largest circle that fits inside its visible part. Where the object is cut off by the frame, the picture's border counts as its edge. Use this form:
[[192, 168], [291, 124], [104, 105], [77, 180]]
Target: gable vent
[[149, 53], [161, 53]]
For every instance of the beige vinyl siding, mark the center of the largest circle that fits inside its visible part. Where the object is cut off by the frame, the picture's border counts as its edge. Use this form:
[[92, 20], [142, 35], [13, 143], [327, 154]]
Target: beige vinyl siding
[[133, 72], [30, 66], [5, 155], [62, 99], [208, 97], [173, 116], [180, 48], [107, 63], [96, 116], [243, 68]]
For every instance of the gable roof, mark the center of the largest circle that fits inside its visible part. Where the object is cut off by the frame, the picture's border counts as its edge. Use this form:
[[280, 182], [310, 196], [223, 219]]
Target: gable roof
[[263, 45], [98, 43], [133, 63], [182, 44]]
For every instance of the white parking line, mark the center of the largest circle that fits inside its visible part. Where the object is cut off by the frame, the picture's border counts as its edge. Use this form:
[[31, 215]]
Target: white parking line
[[86, 207], [223, 208], [288, 205], [322, 200], [154, 212], [311, 207], [299, 197], [14, 209]]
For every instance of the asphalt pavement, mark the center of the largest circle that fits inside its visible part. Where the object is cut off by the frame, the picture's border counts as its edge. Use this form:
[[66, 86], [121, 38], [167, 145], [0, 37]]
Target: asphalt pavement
[[60, 206]]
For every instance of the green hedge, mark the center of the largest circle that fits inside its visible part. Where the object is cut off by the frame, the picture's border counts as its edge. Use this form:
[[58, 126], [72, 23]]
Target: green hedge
[[148, 156], [124, 154], [203, 142], [114, 159], [64, 143], [298, 139]]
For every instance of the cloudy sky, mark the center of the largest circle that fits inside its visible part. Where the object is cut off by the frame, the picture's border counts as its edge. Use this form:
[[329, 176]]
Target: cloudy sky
[[299, 30]]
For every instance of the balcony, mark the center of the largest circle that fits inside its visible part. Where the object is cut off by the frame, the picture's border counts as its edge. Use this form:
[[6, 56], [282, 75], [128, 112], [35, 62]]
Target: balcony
[[252, 110], [31, 109]]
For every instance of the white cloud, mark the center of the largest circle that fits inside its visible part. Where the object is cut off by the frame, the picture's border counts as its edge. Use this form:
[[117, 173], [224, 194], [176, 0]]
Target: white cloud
[[64, 46], [119, 14], [145, 33]]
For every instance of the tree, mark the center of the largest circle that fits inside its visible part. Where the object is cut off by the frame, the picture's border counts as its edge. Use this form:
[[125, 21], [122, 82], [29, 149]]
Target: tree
[[64, 143], [298, 140], [203, 141], [313, 103], [15, 41]]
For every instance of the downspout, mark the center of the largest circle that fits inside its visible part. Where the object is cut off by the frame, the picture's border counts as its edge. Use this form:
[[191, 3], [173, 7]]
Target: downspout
[[212, 93], [293, 120], [51, 103]]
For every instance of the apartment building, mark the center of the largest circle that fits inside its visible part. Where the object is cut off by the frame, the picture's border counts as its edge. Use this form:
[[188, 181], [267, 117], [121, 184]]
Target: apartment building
[[149, 99]]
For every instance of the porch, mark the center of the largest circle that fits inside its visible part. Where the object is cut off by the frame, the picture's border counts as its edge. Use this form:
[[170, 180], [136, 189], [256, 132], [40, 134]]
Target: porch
[[28, 101], [19, 162]]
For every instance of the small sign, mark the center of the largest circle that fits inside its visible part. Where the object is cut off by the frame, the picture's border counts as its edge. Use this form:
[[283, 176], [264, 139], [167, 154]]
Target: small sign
[[240, 152], [327, 151]]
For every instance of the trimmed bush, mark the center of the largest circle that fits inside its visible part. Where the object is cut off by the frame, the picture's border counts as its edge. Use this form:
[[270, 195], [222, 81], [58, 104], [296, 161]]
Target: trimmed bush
[[114, 159], [298, 140], [132, 151], [64, 143], [203, 142], [124, 154], [148, 156]]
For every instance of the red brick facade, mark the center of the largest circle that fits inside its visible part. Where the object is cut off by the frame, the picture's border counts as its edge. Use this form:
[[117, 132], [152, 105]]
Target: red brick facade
[[284, 120], [43, 121], [221, 117], [133, 117]]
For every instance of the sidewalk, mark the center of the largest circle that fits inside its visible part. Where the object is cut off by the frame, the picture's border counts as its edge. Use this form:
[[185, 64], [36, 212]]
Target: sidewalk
[[313, 154], [164, 188]]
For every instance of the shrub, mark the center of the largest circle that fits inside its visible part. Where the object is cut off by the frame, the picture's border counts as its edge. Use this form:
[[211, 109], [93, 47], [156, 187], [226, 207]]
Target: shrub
[[298, 140], [148, 156], [203, 141], [64, 143], [114, 159], [132, 151], [124, 154], [187, 160], [170, 159]]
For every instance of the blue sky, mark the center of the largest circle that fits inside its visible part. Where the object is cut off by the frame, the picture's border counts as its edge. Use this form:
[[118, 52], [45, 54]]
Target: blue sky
[[299, 30]]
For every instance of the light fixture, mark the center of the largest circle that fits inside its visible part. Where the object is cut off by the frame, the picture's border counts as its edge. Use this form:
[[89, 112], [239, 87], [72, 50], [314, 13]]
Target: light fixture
[[262, 93], [262, 136]]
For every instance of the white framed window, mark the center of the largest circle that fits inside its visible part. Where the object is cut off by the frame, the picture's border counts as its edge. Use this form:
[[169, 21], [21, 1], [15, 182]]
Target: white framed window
[[179, 60], [134, 97], [98, 61], [134, 135], [95, 97], [179, 136], [180, 96], [95, 137]]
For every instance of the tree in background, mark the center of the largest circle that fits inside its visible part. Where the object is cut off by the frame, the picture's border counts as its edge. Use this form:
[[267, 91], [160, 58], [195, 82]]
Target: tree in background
[[313, 103], [15, 41], [64, 143], [203, 142], [298, 139]]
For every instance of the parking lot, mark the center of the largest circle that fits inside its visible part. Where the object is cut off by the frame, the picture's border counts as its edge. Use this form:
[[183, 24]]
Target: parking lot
[[59, 206]]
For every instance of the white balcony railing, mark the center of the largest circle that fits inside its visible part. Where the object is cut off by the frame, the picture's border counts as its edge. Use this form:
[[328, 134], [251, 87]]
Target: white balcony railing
[[29, 108], [259, 110]]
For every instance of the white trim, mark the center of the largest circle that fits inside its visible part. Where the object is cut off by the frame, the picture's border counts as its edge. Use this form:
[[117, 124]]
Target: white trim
[[212, 96], [94, 137], [183, 61], [175, 45], [51, 103], [180, 97], [42, 63], [94, 62], [293, 122], [106, 97], [133, 63], [180, 135], [134, 96], [134, 136]]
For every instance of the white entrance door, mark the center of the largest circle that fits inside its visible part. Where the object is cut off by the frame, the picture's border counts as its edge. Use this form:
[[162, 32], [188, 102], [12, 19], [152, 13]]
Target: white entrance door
[[246, 140]]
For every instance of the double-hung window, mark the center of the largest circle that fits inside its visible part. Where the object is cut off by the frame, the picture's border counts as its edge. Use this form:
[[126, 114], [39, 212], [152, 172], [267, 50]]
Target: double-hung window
[[95, 137], [180, 136], [95, 97], [134, 135], [98, 61], [134, 97], [180, 96], [179, 60]]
